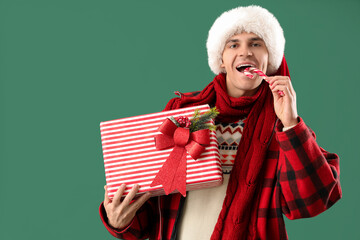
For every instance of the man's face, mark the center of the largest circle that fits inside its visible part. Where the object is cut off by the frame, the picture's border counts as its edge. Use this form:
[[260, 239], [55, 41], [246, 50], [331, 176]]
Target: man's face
[[240, 51]]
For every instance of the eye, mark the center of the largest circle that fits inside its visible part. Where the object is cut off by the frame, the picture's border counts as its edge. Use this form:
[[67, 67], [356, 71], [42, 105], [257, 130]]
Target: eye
[[233, 46], [256, 45]]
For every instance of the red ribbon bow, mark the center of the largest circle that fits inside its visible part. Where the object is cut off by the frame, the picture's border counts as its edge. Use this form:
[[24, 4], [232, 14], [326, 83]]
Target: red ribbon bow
[[172, 175]]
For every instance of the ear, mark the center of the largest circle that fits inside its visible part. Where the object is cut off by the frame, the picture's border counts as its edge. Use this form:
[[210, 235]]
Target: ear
[[222, 64]]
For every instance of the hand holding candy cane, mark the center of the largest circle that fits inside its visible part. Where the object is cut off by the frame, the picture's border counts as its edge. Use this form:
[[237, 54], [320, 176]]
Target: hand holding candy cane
[[248, 73], [285, 105]]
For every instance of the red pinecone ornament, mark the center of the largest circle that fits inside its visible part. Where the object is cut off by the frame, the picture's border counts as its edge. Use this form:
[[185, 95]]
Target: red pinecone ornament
[[183, 121]]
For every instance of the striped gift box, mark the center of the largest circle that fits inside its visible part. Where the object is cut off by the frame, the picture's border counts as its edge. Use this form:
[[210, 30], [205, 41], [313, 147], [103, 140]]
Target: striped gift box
[[130, 155]]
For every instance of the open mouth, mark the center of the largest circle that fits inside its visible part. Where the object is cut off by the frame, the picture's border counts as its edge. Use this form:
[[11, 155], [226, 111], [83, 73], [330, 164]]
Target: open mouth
[[242, 67]]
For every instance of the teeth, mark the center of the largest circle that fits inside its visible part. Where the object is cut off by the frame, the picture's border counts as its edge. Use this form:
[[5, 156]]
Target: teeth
[[245, 65]]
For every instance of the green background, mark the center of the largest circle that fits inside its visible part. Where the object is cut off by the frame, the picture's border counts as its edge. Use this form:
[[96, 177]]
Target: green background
[[67, 65]]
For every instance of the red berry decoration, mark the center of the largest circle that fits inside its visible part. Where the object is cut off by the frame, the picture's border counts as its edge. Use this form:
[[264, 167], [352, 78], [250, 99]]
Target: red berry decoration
[[183, 121]]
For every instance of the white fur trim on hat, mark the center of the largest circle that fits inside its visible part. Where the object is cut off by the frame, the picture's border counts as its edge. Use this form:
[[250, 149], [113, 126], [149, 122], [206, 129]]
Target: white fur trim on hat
[[251, 19]]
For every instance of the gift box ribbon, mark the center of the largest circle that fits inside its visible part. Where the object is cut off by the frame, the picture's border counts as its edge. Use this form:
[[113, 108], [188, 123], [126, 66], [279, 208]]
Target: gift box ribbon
[[172, 174]]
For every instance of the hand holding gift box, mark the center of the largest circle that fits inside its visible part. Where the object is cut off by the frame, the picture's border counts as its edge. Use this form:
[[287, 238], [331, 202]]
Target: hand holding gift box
[[131, 156]]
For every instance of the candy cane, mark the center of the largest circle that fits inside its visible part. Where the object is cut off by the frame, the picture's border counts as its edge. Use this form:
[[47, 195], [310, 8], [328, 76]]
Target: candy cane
[[248, 71]]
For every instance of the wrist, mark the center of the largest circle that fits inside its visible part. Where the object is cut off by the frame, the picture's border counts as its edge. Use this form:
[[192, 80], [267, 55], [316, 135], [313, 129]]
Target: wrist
[[291, 123]]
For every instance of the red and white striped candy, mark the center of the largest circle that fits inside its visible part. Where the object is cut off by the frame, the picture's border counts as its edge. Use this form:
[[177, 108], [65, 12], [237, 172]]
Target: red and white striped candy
[[255, 70], [248, 73]]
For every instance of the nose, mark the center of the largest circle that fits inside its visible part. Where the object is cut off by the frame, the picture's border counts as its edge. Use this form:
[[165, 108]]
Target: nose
[[244, 51]]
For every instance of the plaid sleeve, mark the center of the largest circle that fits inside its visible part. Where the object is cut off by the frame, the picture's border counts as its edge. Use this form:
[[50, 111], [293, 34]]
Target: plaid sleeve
[[139, 228], [307, 174]]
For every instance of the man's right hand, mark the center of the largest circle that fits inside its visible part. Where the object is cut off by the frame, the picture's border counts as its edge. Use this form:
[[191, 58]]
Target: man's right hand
[[120, 213]]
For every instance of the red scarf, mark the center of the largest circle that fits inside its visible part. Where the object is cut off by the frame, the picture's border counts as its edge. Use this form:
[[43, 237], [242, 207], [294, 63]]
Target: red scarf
[[238, 217]]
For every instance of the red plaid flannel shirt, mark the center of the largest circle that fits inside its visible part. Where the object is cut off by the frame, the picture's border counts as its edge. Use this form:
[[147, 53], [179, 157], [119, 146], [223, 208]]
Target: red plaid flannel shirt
[[301, 180]]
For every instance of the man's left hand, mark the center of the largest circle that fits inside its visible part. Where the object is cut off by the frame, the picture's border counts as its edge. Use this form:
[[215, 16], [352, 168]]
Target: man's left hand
[[285, 106]]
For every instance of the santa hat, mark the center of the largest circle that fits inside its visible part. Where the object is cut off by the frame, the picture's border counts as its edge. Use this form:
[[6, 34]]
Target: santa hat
[[254, 19]]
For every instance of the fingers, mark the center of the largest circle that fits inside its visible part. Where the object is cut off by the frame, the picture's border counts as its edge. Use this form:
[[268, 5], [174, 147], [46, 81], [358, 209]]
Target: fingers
[[140, 201], [127, 200], [131, 194], [125, 213], [271, 80], [118, 194], [283, 81], [106, 198], [283, 88]]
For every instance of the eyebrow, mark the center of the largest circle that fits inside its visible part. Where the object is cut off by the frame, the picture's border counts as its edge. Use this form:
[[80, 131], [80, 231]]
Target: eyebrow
[[237, 40]]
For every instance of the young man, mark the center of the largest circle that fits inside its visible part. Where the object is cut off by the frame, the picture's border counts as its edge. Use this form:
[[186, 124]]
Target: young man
[[276, 168]]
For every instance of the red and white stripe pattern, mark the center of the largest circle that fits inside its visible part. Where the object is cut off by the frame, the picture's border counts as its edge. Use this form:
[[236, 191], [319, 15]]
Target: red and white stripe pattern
[[247, 72], [130, 155]]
